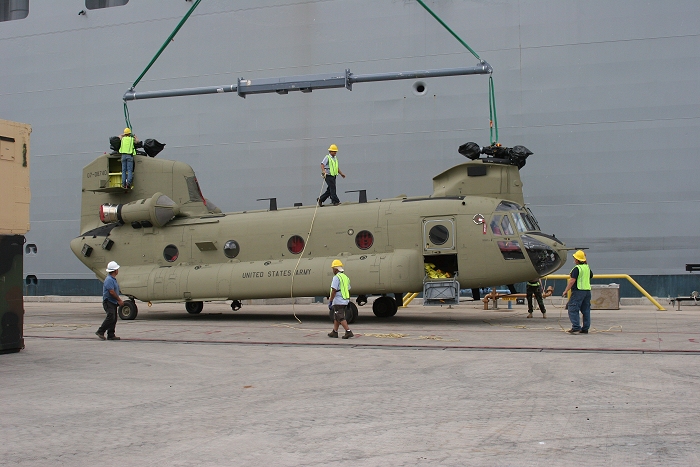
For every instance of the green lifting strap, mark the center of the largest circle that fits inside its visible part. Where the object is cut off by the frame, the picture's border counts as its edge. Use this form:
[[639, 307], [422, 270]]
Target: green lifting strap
[[155, 57], [493, 121]]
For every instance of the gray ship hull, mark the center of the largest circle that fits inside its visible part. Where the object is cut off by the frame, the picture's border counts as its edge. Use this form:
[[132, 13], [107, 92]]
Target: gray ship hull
[[607, 96]]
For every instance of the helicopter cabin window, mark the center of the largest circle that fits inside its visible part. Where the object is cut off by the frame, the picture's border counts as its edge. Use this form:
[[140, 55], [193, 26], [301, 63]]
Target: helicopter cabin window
[[13, 9], [170, 253], [96, 4], [231, 249], [523, 222], [295, 244], [439, 234], [507, 206], [364, 240], [500, 225]]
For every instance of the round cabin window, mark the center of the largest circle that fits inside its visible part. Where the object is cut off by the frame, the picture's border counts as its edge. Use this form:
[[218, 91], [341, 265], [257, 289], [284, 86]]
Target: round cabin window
[[170, 253], [364, 240], [439, 234], [231, 249], [295, 244]]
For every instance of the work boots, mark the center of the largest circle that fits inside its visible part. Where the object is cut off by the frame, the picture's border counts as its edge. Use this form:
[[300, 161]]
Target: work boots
[[348, 334], [333, 334]]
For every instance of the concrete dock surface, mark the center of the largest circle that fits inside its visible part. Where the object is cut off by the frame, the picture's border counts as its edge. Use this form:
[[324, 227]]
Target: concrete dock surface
[[430, 386]]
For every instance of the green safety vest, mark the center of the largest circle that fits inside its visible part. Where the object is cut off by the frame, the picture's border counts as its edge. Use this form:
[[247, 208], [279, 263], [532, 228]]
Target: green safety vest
[[583, 281], [127, 146], [533, 284], [344, 285], [333, 165]]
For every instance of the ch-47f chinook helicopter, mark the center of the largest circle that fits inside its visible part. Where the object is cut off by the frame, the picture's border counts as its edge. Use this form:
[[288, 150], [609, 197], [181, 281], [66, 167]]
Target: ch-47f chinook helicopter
[[174, 246]]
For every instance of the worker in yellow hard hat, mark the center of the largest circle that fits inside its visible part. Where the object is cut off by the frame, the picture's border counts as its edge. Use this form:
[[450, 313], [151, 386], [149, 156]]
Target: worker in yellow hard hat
[[339, 299], [329, 170], [128, 150], [580, 300]]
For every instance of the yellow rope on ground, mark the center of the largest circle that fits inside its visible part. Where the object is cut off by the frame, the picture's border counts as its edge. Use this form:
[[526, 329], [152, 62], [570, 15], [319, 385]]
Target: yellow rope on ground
[[54, 325]]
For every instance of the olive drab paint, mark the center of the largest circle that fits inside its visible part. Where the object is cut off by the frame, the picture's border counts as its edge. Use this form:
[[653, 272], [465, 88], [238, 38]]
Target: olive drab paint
[[174, 246]]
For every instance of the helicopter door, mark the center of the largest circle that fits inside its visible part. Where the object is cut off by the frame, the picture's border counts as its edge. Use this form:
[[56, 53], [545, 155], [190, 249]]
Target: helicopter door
[[438, 235]]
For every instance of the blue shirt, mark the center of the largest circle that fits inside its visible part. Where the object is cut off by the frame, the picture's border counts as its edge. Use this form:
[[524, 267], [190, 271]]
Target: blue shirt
[[110, 284]]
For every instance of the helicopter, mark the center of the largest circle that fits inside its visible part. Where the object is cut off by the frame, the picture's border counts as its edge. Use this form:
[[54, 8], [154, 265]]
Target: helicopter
[[174, 245]]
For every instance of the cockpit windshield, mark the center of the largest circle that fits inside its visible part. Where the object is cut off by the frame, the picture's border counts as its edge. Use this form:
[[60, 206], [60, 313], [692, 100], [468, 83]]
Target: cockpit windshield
[[524, 222], [507, 206]]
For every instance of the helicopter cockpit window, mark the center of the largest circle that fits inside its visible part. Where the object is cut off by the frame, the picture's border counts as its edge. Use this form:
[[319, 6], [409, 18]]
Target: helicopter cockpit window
[[529, 215], [439, 234], [500, 225], [231, 249], [520, 223], [170, 253], [507, 206], [295, 244]]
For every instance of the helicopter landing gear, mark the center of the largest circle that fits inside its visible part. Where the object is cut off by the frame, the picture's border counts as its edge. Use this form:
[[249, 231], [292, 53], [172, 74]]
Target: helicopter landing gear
[[194, 308], [384, 307], [128, 311], [236, 305], [350, 313], [361, 300]]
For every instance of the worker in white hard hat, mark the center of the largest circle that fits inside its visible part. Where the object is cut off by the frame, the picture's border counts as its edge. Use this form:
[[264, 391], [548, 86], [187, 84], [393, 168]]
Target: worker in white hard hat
[[330, 170], [339, 299], [128, 151], [110, 300], [580, 299]]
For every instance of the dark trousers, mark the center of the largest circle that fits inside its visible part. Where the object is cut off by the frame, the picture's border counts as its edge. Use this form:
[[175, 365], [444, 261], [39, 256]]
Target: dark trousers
[[330, 191], [110, 321], [537, 292]]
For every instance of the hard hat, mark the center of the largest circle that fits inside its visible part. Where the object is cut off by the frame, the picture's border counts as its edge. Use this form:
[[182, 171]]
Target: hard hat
[[580, 255], [333, 147], [127, 131], [112, 266], [336, 264]]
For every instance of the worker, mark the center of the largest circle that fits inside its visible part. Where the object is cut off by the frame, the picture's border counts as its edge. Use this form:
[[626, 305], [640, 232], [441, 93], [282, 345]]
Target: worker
[[110, 300], [535, 288], [128, 150], [339, 299], [580, 300], [329, 170]]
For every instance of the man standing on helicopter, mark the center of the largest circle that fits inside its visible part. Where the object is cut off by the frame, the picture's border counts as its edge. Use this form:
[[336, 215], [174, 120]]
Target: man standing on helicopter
[[329, 170]]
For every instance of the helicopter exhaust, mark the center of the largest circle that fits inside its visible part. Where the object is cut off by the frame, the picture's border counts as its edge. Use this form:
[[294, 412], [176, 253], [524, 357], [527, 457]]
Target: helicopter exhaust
[[158, 210]]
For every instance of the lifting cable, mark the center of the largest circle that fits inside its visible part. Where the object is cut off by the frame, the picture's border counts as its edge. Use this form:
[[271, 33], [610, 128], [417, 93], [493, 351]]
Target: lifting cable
[[155, 57], [493, 121]]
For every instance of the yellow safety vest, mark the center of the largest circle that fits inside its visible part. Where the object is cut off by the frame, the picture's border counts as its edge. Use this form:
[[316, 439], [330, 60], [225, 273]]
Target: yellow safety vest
[[127, 146], [344, 285], [333, 165], [583, 281]]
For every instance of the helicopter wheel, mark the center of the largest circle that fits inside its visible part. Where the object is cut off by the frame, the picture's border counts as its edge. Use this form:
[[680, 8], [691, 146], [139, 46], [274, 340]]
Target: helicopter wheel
[[236, 305], [351, 313], [384, 307], [194, 308], [128, 311]]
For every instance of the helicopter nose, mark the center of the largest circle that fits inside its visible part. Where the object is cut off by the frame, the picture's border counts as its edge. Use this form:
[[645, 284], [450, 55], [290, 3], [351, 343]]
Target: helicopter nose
[[544, 254]]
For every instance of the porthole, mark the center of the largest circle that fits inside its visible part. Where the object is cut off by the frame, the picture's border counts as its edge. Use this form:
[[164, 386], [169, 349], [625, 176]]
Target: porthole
[[295, 244], [170, 253], [439, 234], [231, 249], [364, 240], [420, 88]]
